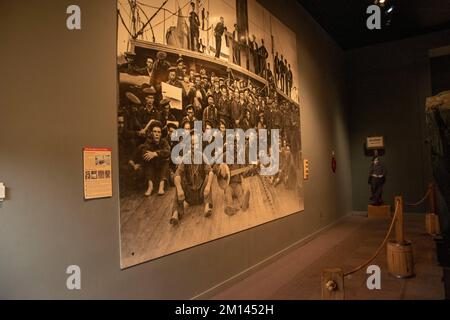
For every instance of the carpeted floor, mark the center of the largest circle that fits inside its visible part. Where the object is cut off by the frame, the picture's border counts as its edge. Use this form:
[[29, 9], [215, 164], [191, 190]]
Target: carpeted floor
[[297, 273]]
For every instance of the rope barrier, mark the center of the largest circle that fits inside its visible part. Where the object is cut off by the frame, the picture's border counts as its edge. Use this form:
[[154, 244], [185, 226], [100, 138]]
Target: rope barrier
[[381, 246], [421, 201]]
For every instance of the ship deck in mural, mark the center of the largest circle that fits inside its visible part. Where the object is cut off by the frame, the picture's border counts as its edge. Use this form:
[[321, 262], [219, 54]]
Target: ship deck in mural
[[146, 48], [147, 233]]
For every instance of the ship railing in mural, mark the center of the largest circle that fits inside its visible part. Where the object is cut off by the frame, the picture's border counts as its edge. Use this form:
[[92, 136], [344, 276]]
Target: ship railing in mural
[[142, 45]]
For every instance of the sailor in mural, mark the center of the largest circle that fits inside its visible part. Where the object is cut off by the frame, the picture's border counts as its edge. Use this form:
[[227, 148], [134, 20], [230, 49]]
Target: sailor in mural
[[193, 186], [230, 179], [194, 26], [155, 155], [218, 33]]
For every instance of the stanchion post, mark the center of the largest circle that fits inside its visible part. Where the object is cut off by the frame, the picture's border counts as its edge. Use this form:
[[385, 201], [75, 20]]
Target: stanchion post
[[399, 253], [432, 198], [399, 233], [431, 218]]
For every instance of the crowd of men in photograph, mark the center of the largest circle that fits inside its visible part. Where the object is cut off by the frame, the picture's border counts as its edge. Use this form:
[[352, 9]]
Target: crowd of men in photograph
[[280, 75], [147, 120]]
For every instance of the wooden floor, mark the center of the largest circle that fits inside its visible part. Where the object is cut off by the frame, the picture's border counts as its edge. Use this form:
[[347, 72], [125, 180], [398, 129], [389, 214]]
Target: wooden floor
[[147, 234], [296, 275]]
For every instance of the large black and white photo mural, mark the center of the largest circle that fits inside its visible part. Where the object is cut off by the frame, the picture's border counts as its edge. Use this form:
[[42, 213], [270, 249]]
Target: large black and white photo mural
[[208, 123]]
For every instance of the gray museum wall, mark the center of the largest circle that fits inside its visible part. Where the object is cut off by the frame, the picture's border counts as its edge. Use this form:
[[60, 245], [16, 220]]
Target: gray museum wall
[[59, 94], [387, 88]]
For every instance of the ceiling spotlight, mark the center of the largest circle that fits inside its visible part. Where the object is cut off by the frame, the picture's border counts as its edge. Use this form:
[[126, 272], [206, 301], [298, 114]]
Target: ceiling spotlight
[[381, 3]]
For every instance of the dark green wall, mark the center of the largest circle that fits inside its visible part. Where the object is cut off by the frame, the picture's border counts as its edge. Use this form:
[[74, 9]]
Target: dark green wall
[[387, 86]]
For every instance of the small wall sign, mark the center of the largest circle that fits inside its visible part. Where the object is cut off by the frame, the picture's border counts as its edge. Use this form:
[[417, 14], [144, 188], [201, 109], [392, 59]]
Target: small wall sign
[[97, 173], [375, 143]]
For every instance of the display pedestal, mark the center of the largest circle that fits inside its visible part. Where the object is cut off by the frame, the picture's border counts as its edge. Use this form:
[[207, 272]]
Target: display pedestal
[[379, 211]]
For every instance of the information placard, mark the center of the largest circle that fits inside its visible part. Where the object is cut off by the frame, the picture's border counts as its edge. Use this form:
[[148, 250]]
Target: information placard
[[375, 142], [97, 173]]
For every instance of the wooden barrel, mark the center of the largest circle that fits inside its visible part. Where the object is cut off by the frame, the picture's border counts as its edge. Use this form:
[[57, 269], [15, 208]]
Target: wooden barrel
[[400, 259], [432, 224]]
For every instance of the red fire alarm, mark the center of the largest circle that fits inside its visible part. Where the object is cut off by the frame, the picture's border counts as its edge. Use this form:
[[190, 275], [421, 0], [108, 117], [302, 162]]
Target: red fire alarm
[[333, 162]]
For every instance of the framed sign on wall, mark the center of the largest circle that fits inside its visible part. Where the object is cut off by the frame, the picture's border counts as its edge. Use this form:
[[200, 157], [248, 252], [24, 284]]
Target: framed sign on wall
[[376, 142], [97, 173]]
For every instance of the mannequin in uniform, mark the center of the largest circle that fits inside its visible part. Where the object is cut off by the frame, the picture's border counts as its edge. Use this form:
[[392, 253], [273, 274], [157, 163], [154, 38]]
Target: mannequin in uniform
[[377, 178]]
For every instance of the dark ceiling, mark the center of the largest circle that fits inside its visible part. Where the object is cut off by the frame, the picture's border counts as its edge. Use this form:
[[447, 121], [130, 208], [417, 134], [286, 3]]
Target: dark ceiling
[[345, 20]]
